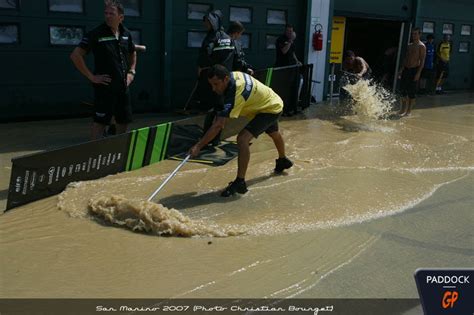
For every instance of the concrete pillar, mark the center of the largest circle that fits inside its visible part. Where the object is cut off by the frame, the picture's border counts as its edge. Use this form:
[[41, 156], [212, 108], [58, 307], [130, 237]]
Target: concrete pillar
[[320, 12]]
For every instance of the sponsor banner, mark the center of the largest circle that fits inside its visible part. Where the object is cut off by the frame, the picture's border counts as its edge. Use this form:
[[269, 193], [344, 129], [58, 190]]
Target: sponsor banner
[[45, 174], [210, 306], [446, 291]]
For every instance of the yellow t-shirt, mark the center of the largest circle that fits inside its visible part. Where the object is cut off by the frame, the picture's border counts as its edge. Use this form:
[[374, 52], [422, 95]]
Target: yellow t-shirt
[[246, 96], [444, 50]]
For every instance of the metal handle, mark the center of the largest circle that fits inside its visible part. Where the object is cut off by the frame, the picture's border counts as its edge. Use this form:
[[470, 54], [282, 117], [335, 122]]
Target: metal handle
[[169, 177]]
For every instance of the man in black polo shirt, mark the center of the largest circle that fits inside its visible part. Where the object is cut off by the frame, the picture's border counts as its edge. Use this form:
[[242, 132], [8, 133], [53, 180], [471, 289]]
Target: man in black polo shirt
[[115, 60], [285, 48], [286, 56]]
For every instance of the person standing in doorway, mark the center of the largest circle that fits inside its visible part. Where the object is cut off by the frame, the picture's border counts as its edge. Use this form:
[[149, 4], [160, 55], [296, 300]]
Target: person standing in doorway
[[411, 71], [115, 62], [443, 53], [428, 75]]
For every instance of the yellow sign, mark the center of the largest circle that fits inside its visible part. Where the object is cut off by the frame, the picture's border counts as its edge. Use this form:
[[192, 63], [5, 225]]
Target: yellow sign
[[337, 38]]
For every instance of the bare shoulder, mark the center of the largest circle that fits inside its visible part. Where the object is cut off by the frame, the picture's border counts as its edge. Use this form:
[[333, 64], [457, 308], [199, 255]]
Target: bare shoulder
[[419, 45], [422, 47]]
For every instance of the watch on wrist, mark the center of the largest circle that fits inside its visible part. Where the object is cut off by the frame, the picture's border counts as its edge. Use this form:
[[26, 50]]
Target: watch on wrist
[[131, 71]]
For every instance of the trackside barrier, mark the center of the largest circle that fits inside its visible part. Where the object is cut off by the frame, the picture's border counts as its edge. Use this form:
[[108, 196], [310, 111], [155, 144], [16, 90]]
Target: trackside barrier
[[291, 83], [45, 174]]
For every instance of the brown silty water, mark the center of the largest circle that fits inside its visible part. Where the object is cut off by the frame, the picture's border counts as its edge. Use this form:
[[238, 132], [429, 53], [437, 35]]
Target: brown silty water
[[347, 170], [370, 101]]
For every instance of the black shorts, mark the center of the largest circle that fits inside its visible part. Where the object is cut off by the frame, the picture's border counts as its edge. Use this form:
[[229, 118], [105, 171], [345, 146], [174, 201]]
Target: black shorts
[[442, 67], [263, 123], [110, 102], [407, 83]]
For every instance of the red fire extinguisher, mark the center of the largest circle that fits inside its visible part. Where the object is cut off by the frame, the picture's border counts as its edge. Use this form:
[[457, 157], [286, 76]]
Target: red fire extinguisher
[[318, 37]]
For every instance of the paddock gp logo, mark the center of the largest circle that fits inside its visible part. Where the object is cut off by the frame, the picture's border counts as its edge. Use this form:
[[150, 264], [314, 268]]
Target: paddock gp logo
[[446, 291]]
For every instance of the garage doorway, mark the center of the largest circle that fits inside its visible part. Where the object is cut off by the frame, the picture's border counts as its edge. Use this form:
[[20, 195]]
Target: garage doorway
[[377, 42]]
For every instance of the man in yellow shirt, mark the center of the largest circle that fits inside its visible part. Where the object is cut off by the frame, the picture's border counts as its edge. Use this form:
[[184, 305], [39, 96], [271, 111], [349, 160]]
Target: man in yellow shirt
[[245, 96], [443, 53]]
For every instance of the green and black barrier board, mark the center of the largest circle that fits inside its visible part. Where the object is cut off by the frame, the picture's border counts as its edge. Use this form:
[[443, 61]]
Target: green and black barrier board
[[44, 174]]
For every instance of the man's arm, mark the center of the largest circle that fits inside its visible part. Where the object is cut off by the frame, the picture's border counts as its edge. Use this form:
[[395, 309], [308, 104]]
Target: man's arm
[[133, 65], [204, 57], [216, 127], [140, 48], [422, 56], [238, 61], [285, 47], [77, 57], [299, 63], [133, 60], [438, 51], [364, 66]]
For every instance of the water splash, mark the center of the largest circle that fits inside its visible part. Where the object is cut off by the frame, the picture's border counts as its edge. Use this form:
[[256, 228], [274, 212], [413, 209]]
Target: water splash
[[149, 217], [370, 100]]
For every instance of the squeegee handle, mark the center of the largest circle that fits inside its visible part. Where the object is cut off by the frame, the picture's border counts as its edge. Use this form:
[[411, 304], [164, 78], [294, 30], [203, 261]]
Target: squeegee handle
[[169, 177]]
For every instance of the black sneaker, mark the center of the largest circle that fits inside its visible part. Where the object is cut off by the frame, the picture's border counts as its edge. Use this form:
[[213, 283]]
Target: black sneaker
[[235, 187], [282, 164]]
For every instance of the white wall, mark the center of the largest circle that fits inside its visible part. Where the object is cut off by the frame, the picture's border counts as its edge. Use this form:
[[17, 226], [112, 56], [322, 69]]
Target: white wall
[[319, 15]]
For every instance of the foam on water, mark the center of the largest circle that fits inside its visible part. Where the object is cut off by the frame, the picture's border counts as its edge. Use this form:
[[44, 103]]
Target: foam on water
[[149, 217], [370, 100]]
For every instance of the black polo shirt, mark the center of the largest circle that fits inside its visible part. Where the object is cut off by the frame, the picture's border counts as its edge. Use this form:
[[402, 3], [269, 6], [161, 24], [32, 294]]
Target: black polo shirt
[[111, 55], [282, 59]]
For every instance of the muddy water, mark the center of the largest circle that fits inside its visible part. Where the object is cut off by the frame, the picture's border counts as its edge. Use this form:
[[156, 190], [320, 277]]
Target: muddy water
[[282, 238], [370, 101]]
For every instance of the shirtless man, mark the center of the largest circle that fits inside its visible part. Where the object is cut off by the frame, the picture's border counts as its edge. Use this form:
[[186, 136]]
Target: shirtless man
[[411, 71], [356, 65]]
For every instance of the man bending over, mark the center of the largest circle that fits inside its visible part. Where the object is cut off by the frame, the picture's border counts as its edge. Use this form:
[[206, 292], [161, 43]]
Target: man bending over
[[248, 97]]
